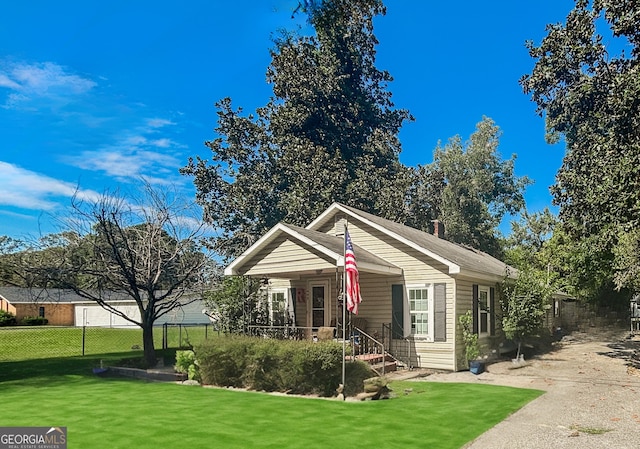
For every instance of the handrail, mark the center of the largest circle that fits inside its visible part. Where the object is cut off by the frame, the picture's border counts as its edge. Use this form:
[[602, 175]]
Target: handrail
[[368, 344], [387, 335]]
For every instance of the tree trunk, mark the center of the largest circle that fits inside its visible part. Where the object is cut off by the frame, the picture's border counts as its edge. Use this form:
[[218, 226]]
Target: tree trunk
[[147, 343]]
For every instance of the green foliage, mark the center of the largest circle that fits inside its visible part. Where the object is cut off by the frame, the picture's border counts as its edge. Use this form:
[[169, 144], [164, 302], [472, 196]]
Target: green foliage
[[525, 301], [186, 363], [589, 94], [223, 363], [7, 318], [237, 303], [300, 367], [329, 133], [471, 188], [355, 374], [34, 321], [627, 261], [470, 338]]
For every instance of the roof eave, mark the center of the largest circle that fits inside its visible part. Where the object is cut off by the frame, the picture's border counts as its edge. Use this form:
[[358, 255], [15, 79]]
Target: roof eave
[[233, 268]]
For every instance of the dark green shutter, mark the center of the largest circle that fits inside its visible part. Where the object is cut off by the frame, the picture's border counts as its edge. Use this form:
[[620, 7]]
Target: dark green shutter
[[474, 309], [440, 312], [397, 311], [492, 313]]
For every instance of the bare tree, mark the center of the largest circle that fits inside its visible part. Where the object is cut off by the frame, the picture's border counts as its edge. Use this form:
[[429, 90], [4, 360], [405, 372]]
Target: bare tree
[[149, 249]]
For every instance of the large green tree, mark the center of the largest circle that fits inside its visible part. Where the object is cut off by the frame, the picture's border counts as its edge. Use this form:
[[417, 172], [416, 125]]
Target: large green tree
[[329, 133], [587, 86], [471, 188]]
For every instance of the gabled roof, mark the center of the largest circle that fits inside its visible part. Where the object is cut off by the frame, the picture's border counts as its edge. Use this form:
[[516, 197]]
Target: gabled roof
[[457, 257], [330, 246]]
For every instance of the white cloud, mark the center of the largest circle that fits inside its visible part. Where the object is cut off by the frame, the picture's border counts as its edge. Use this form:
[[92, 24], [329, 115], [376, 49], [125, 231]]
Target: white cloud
[[127, 163], [41, 81], [5, 81], [162, 143], [159, 122], [30, 190], [134, 155]]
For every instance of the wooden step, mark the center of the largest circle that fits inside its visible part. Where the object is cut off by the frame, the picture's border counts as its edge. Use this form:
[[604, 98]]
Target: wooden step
[[370, 358], [379, 363], [388, 367]]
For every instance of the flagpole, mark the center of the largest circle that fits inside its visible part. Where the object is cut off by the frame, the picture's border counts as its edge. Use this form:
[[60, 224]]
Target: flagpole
[[344, 305]]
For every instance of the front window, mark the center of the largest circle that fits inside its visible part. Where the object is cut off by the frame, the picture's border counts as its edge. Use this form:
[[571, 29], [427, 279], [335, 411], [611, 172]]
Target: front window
[[419, 310], [277, 307], [484, 313]]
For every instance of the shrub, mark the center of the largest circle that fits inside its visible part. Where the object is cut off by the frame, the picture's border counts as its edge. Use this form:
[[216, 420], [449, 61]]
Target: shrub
[[319, 366], [7, 318], [355, 374], [186, 363], [34, 321], [470, 338], [223, 363], [301, 367]]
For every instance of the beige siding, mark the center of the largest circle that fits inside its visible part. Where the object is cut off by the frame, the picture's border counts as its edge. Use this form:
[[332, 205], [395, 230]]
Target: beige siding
[[415, 264], [376, 300], [418, 269], [464, 303], [286, 255]]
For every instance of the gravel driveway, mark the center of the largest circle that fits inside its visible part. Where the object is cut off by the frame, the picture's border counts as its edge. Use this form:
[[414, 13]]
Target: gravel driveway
[[592, 399]]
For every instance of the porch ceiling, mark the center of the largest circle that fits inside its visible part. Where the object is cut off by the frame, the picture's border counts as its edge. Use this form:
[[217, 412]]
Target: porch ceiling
[[288, 251]]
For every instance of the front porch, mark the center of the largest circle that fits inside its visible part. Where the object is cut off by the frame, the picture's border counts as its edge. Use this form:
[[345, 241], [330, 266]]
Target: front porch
[[375, 351]]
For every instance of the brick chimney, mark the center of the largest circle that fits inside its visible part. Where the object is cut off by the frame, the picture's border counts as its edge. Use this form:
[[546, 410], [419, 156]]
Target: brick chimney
[[438, 228]]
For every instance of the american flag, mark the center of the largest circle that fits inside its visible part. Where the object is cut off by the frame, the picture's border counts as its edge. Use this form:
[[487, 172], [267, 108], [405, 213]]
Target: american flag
[[353, 281]]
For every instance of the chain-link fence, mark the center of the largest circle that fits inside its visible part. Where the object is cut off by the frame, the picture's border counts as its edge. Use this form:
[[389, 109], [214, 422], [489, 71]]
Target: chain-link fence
[[23, 343]]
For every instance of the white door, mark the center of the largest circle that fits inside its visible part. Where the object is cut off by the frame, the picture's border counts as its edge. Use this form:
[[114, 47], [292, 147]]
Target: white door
[[319, 314]]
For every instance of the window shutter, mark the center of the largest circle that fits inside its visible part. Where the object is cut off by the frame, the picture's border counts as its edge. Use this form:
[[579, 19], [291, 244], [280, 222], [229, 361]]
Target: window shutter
[[440, 312], [397, 311], [475, 308], [492, 312]]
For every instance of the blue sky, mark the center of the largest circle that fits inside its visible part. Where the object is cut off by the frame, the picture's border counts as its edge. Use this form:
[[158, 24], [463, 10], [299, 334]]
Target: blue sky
[[95, 95]]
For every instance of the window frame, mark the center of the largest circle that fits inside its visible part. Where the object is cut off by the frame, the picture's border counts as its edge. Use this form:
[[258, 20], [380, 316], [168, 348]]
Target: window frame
[[285, 301], [484, 312], [428, 287]]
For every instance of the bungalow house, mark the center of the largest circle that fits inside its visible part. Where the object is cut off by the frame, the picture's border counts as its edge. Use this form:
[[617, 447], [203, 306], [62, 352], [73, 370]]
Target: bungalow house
[[66, 308], [414, 285]]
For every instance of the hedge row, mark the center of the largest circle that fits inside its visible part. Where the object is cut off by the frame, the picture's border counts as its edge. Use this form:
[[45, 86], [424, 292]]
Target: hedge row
[[9, 319], [297, 367]]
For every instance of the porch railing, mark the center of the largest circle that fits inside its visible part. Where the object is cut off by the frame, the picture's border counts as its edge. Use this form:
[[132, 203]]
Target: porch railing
[[362, 345], [283, 332], [399, 348]]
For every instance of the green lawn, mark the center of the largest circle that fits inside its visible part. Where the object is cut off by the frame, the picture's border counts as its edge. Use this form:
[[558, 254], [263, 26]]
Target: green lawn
[[25, 343], [126, 413]]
